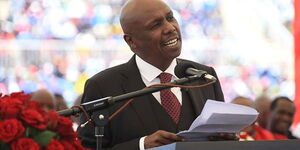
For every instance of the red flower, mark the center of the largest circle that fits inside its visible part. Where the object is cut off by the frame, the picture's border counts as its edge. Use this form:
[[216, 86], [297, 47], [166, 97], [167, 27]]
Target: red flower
[[54, 145], [78, 145], [18, 113], [20, 95], [67, 145], [64, 127], [25, 144], [10, 129], [34, 119], [52, 118], [10, 107], [74, 144], [36, 106]]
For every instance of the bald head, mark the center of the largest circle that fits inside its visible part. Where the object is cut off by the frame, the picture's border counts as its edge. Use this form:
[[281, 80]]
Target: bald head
[[262, 105], [127, 16], [131, 13], [45, 99], [243, 101], [246, 102]]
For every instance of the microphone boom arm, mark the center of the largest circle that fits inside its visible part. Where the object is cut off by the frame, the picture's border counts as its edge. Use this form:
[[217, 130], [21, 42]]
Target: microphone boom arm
[[107, 101]]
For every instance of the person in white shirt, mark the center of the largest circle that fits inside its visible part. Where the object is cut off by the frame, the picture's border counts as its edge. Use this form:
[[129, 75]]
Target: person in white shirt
[[153, 35]]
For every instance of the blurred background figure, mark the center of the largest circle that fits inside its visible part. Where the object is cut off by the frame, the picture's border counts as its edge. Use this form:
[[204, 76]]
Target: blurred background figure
[[262, 105], [60, 102], [254, 131], [45, 99], [281, 117]]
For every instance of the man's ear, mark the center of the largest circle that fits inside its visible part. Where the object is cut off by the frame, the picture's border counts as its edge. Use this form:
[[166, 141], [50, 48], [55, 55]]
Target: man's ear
[[130, 42]]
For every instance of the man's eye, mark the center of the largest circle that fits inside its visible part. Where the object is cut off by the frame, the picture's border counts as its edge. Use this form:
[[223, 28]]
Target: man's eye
[[155, 25], [170, 18]]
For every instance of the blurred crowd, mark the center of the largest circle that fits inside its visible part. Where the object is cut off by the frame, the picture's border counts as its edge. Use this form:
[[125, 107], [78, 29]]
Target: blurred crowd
[[58, 44]]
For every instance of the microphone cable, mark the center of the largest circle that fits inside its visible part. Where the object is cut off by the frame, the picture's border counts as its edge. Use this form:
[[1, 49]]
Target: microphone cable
[[158, 85]]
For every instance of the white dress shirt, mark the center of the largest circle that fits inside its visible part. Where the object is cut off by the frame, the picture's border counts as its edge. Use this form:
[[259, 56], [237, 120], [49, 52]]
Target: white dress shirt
[[150, 75]]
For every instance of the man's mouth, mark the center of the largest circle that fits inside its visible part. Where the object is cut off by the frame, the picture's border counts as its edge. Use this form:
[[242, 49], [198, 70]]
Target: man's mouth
[[283, 125], [171, 43]]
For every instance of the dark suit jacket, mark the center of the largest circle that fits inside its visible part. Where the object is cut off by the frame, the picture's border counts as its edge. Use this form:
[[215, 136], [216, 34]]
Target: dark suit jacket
[[137, 119]]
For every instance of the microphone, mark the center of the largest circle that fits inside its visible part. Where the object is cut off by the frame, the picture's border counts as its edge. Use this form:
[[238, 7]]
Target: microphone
[[188, 69]]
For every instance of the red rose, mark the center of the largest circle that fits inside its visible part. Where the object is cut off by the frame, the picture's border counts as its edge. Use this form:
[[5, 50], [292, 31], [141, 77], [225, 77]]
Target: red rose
[[10, 130], [64, 127], [21, 95], [52, 119], [36, 106], [74, 144], [25, 144], [10, 107], [67, 145], [34, 119], [54, 145], [78, 145]]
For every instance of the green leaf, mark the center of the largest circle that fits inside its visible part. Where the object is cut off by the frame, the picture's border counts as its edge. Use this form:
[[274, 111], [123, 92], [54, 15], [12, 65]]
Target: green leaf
[[31, 132], [44, 137], [4, 146]]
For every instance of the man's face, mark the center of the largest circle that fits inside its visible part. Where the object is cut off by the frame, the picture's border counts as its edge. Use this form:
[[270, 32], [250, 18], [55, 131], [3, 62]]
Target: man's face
[[282, 116], [156, 33]]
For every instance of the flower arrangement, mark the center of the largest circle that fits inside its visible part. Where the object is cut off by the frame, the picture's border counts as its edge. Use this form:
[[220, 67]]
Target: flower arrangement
[[24, 125]]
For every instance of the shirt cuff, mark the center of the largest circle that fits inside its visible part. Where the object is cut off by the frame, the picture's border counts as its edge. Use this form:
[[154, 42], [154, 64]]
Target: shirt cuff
[[141, 143]]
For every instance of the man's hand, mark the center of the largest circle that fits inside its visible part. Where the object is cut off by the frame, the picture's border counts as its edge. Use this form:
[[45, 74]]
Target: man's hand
[[224, 137], [160, 138]]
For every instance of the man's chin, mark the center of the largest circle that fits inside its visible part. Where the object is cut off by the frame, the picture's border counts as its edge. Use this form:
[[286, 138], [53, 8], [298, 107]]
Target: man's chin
[[282, 130]]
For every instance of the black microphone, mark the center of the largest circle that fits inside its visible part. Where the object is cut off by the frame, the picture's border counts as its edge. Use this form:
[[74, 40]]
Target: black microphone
[[184, 69]]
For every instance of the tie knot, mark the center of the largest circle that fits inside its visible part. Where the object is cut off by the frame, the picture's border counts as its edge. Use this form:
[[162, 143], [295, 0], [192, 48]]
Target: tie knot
[[165, 77]]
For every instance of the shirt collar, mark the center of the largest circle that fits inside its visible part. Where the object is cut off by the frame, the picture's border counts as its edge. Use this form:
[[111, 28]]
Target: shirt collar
[[150, 72]]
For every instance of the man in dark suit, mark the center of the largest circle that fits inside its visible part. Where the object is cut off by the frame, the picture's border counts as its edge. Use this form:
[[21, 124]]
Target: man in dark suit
[[153, 34]]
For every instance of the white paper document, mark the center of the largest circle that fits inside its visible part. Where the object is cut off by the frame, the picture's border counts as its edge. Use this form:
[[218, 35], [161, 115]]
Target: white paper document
[[219, 117]]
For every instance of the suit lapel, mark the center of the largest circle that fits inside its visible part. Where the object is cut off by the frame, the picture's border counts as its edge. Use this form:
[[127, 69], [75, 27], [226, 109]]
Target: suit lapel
[[140, 105], [197, 98]]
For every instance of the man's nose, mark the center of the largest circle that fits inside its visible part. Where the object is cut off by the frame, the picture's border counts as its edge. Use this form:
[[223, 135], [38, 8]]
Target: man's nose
[[287, 118], [169, 28]]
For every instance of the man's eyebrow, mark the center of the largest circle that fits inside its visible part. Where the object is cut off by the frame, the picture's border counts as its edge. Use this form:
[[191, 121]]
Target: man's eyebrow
[[170, 12], [154, 20], [158, 18]]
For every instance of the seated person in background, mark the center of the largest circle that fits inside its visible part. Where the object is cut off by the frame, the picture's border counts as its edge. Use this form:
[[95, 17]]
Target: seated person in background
[[281, 118], [45, 99], [60, 102], [254, 131], [262, 105]]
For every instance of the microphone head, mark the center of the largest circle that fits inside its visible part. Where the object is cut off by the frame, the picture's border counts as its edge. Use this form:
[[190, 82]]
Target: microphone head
[[180, 69]]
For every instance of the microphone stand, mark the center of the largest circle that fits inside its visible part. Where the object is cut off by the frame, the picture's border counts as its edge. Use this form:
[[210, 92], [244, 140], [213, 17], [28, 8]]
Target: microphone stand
[[100, 114]]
